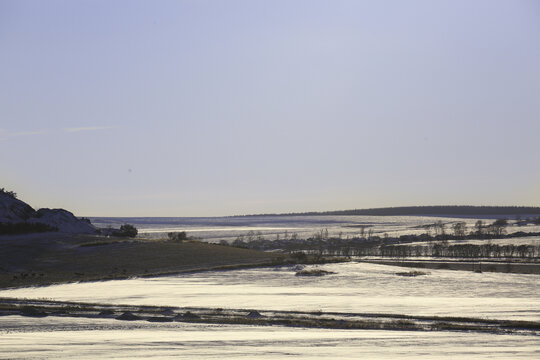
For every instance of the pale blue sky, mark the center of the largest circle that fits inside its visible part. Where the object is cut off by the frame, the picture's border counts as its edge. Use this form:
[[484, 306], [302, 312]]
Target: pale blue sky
[[194, 108]]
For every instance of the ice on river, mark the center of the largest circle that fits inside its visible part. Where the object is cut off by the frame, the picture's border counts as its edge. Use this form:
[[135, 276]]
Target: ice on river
[[72, 338], [356, 287]]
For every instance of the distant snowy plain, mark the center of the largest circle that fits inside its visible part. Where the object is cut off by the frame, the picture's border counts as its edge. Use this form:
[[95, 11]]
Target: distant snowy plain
[[214, 229]]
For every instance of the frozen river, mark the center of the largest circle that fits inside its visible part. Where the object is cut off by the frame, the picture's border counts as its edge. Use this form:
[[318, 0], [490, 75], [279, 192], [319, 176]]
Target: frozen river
[[355, 287], [69, 338]]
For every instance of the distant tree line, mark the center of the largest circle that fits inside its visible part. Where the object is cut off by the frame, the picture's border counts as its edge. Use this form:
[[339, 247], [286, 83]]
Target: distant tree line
[[450, 210]]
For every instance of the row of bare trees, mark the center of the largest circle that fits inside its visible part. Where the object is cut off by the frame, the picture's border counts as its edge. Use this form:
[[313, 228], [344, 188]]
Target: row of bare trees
[[413, 245], [472, 251], [356, 247], [459, 229], [462, 251]]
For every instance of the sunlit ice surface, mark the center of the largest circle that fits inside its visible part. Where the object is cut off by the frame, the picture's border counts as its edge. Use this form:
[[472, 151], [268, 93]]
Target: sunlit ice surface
[[355, 287], [69, 338]]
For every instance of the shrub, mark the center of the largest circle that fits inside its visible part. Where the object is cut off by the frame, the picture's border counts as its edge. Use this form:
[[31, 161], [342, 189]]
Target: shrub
[[177, 236], [9, 193], [299, 255], [126, 230]]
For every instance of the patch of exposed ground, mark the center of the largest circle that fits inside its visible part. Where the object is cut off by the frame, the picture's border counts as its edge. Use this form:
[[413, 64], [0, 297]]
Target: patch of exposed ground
[[314, 272], [49, 259], [45, 259], [412, 273]]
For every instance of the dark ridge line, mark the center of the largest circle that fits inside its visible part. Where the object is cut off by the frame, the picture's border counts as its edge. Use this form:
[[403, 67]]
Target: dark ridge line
[[428, 210], [431, 210]]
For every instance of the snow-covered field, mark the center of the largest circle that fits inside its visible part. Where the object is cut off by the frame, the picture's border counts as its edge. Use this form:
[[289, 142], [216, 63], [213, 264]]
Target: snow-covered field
[[356, 287], [69, 338]]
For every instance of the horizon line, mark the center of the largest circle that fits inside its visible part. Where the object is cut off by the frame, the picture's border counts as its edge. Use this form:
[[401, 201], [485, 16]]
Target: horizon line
[[536, 211]]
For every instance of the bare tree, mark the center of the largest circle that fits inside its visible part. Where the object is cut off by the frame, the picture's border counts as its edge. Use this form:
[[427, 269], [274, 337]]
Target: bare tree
[[459, 229], [479, 226], [498, 227], [439, 228]]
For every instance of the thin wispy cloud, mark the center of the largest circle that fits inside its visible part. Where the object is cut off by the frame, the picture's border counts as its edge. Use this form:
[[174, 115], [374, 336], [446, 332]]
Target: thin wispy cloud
[[87, 128], [27, 133], [4, 134]]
